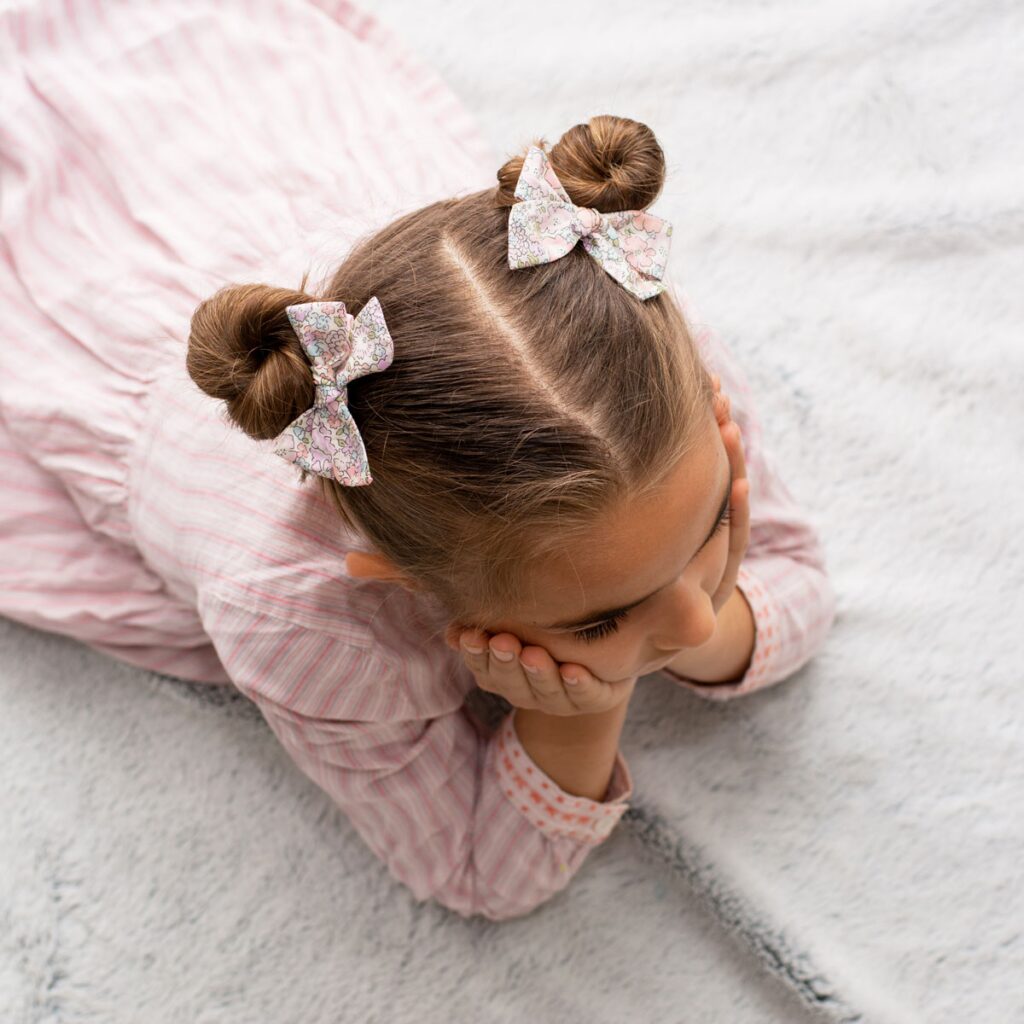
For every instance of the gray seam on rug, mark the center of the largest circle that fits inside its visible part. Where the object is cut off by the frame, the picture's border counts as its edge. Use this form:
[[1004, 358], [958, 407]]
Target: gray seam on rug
[[739, 916], [48, 1002]]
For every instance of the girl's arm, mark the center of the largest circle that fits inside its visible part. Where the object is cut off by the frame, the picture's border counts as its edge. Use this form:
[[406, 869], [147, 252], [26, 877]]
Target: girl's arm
[[783, 583], [458, 815], [577, 751]]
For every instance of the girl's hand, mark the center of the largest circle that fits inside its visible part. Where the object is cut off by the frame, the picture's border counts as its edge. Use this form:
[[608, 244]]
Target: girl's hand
[[543, 690], [739, 524]]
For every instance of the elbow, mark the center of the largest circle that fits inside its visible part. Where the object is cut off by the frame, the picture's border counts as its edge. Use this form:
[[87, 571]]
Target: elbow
[[816, 600], [802, 611], [504, 911], [812, 614], [830, 602], [824, 610], [490, 904], [793, 536], [508, 894]]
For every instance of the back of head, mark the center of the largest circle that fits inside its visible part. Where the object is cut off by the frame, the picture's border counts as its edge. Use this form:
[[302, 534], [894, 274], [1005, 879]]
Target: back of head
[[520, 406]]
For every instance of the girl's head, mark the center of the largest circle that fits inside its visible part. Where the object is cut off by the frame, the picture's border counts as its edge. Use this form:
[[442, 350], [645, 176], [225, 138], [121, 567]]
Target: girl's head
[[543, 445]]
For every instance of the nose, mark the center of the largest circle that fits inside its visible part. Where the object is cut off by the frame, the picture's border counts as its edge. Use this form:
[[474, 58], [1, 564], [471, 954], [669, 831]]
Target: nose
[[688, 618]]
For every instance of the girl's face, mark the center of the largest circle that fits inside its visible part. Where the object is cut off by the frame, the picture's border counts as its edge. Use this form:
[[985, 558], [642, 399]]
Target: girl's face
[[638, 589]]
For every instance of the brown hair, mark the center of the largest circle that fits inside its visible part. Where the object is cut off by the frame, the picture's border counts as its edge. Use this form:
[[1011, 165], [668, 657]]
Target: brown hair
[[520, 404]]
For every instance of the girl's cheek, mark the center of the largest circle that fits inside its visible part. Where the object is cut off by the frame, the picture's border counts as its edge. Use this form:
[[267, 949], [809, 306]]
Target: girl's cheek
[[568, 648], [560, 647], [611, 657]]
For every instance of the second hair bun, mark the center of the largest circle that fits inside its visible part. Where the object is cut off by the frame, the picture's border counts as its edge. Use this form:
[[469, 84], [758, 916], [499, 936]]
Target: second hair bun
[[610, 163]]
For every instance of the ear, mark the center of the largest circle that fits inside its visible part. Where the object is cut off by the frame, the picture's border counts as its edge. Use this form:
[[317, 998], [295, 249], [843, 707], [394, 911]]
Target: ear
[[369, 565]]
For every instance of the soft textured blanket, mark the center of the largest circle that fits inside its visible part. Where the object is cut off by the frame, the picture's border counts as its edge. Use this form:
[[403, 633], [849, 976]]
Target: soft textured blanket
[[845, 184]]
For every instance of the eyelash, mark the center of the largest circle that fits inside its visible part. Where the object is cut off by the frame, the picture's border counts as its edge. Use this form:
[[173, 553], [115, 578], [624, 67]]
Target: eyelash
[[602, 629], [592, 633]]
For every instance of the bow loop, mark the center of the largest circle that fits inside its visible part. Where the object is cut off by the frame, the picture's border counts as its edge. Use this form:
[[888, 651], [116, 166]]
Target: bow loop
[[631, 245], [324, 439]]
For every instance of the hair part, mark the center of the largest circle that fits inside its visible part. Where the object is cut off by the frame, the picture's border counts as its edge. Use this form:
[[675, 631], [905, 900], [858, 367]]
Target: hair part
[[520, 407]]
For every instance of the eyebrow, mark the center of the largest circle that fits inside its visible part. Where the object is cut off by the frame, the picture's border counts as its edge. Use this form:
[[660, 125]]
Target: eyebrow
[[611, 613]]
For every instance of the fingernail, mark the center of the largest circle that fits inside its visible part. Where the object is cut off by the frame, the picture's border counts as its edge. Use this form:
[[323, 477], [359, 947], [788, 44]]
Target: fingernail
[[571, 680], [532, 669], [502, 655], [471, 647]]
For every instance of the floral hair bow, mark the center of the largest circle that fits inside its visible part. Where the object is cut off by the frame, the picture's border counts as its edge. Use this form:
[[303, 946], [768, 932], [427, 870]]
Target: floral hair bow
[[324, 439], [631, 245]]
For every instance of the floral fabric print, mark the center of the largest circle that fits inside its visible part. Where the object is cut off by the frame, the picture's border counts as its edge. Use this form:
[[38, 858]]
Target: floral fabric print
[[324, 439], [631, 245], [549, 808]]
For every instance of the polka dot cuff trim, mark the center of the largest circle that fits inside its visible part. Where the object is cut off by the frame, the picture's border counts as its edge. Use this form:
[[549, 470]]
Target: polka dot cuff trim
[[547, 806]]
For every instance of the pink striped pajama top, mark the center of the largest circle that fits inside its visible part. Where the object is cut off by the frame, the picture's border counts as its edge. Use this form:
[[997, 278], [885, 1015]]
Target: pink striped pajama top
[[148, 156]]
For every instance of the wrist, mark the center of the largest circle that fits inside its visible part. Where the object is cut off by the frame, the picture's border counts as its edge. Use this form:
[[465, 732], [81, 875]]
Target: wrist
[[576, 752]]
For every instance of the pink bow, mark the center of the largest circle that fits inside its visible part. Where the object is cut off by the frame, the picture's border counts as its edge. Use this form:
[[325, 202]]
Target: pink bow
[[631, 245], [324, 440]]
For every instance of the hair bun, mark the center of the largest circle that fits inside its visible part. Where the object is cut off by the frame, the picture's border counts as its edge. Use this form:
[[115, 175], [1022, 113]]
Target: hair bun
[[610, 164], [242, 349]]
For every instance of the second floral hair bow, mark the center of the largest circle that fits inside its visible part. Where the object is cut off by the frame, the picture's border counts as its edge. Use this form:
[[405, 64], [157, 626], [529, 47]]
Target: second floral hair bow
[[324, 440], [631, 245]]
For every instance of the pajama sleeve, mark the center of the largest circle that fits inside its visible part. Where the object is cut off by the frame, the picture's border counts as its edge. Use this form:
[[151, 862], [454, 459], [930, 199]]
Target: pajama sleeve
[[783, 575], [458, 816]]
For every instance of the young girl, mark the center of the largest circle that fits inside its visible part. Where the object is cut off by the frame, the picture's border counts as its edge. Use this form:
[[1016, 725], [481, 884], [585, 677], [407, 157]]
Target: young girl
[[489, 449]]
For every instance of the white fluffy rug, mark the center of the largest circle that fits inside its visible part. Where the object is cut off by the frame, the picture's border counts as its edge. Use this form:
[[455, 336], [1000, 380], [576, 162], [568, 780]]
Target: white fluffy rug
[[847, 193]]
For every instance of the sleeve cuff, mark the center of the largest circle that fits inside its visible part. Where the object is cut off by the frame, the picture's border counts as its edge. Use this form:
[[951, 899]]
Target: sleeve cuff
[[765, 667], [545, 805]]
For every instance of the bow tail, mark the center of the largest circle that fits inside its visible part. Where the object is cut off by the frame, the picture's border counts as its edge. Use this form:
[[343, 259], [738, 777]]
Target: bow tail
[[619, 265], [326, 442]]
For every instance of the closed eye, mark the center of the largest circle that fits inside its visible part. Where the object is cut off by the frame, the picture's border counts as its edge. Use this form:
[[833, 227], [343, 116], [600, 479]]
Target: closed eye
[[607, 626], [591, 633]]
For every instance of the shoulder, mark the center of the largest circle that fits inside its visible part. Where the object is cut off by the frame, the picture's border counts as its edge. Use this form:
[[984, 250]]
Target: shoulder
[[351, 650]]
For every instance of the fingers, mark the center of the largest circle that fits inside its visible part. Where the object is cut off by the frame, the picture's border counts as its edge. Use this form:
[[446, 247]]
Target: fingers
[[505, 674], [541, 675], [731, 434], [739, 533], [494, 661], [720, 403], [452, 633], [733, 438], [560, 688], [475, 653], [740, 516], [530, 670], [531, 678], [739, 522], [739, 505], [723, 409]]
